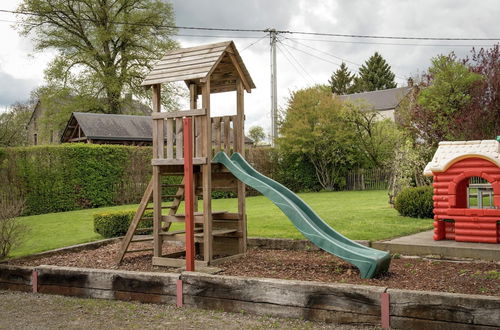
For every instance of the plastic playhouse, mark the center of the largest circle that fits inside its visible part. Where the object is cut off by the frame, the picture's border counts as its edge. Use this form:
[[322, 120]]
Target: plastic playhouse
[[466, 191]]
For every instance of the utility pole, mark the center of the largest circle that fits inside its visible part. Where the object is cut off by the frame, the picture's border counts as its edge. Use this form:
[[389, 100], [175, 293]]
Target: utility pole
[[274, 87]]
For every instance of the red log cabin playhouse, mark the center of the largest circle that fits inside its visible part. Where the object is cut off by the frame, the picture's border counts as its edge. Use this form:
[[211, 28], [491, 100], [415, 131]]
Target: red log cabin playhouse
[[466, 191]]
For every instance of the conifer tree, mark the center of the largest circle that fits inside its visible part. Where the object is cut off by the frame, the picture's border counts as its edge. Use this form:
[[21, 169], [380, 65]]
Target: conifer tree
[[341, 81], [375, 74]]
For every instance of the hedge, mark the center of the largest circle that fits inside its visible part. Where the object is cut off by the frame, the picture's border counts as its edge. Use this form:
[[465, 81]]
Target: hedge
[[415, 202], [74, 176], [115, 224]]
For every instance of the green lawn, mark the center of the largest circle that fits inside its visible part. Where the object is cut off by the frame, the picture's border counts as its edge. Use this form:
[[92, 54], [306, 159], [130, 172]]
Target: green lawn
[[363, 215]]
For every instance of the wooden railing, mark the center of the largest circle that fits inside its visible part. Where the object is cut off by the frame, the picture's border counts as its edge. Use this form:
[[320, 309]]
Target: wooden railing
[[225, 134], [168, 137]]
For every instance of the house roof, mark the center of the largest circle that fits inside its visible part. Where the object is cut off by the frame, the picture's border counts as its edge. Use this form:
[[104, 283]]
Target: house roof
[[221, 61], [451, 152], [386, 99], [98, 126], [129, 106]]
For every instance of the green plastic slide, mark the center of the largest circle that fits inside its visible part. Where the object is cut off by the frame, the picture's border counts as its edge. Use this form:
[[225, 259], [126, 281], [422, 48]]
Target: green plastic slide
[[370, 262]]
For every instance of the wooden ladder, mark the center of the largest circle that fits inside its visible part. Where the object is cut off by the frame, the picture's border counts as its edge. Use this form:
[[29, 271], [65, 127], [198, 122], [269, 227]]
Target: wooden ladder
[[139, 217]]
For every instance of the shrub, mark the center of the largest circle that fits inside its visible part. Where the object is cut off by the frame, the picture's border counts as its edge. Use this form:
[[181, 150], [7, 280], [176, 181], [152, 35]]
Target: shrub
[[115, 224], [415, 202], [11, 230]]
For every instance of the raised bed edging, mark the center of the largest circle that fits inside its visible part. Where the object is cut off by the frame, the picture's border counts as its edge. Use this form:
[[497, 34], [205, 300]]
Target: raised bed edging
[[338, 303]]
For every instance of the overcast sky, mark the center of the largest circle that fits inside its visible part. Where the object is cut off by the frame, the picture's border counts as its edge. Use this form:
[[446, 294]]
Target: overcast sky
[[302, 60]]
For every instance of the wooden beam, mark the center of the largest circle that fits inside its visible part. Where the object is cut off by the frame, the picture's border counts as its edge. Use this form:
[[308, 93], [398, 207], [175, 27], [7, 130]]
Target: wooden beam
[[240, 147], [248, 88], [179, 114], [207, 175], [157, 153], [164, 162], [172, 262]]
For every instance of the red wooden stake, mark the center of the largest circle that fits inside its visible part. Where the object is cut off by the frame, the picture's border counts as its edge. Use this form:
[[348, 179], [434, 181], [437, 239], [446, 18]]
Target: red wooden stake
[[34, 281], [385, 310], [188, 192], [179, 299]]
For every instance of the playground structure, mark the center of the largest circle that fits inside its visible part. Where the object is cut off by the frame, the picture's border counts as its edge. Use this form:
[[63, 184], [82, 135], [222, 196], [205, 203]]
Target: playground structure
[[466, 191], [217, 164]]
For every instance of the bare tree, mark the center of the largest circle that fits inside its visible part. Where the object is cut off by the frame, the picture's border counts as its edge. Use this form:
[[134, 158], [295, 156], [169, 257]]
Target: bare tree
[[12, 230]]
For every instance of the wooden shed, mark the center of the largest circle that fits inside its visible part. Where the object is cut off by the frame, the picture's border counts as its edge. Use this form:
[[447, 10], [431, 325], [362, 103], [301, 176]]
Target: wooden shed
[[466, 191]]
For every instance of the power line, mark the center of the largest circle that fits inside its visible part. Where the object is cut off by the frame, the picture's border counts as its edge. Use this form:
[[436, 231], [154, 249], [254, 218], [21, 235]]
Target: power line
[[216, 36], [253, 43], [337, 57], [295, 66], [328, 54], [296, 61], [392, 44], [277, 31]]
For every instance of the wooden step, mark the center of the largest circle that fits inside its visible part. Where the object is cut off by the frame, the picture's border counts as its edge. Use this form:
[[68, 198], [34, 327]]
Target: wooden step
[[198, 217], [171, 196], [142, 239], [139, 250], [143, 229], [219, 232], [177, 232], [169, 185], [163, 207]]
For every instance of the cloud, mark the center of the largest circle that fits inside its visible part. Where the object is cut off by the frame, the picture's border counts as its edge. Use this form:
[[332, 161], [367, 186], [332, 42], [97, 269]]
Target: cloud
[[14, 89]]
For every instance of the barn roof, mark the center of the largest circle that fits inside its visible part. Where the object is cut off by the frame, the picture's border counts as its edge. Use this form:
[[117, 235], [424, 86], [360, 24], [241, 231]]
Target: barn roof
[[221, 61], [386, 99], [98, 126], [112, 127], [451, 152]]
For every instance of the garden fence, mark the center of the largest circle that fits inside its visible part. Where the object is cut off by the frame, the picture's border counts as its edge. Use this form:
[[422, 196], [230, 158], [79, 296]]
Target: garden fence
[[367, 179]]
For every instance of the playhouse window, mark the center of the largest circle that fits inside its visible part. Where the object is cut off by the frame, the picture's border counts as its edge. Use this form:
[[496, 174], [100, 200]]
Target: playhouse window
[[479, 194]]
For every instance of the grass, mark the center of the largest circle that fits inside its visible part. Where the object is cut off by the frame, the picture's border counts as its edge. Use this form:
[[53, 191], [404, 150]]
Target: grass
[[362, 215]]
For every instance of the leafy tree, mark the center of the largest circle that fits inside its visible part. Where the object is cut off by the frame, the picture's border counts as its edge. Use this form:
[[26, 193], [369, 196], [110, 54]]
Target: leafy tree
[[315, 126], [439, 110], [13, 124], [104, 48], [257, 134], [375, 138], [341, 81], [481, 118], [375, 74]]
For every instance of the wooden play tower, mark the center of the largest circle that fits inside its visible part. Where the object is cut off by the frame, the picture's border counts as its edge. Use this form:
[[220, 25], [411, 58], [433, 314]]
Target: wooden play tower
[[219, 235]]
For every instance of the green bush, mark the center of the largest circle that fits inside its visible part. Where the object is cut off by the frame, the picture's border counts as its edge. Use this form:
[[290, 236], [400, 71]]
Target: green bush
[[115, 224], [415, 202]]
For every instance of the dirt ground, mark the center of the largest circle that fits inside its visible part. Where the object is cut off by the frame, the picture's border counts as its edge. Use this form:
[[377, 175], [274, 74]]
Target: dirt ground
[[405, 273], [36, 311]]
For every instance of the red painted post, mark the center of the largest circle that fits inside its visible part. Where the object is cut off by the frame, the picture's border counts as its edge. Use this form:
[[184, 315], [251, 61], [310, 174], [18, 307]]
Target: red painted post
[[188, 192], [34, 281], [385, 310], [179, 299]]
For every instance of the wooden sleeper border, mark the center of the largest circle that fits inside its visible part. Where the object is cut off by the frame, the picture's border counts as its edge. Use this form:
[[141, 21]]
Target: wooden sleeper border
[[325, 302]]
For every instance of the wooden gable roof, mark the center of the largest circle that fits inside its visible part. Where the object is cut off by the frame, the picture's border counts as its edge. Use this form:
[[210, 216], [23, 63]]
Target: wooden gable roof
[[221, 61]]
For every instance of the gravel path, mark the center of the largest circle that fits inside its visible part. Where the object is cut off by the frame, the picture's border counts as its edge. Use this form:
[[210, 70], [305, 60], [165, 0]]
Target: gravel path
[[36, 311]]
